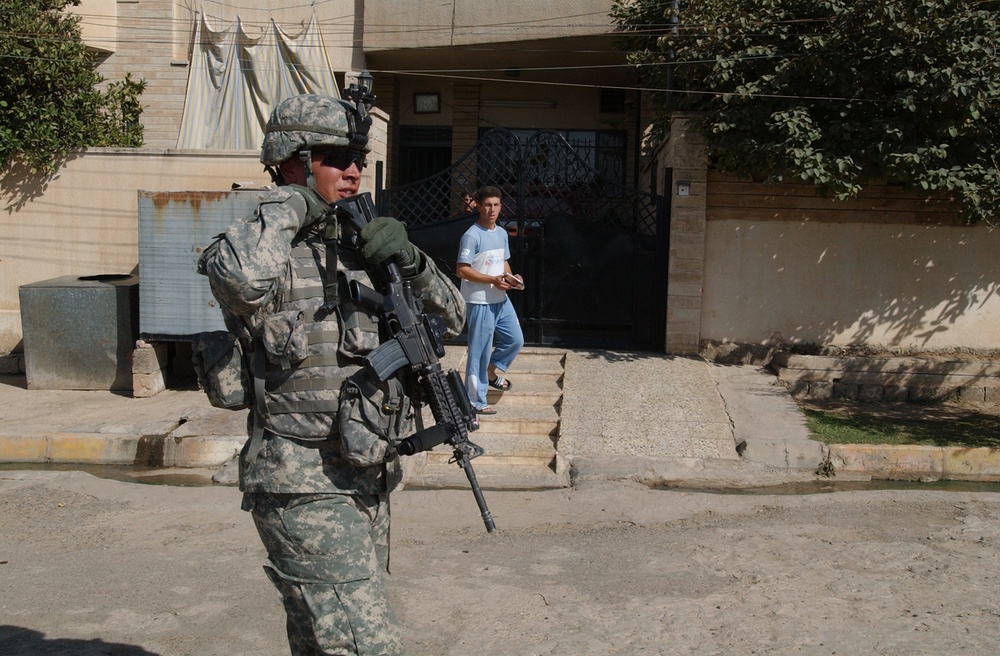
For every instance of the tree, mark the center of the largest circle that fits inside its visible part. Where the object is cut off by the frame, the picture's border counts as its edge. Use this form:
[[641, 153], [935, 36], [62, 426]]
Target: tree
[[833, 92], [49, 96]]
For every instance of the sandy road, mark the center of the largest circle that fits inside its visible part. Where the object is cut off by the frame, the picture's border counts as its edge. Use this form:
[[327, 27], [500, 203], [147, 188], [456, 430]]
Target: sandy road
[[91, 566]]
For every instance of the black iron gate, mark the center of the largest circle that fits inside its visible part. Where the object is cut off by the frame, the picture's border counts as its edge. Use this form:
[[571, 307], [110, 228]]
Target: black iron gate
[[593, 253]]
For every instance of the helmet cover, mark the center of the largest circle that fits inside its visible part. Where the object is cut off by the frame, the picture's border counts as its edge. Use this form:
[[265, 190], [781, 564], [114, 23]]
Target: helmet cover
[[306, 121]]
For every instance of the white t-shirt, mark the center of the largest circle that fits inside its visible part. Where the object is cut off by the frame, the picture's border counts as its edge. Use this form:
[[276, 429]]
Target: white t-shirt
[[486, 251]]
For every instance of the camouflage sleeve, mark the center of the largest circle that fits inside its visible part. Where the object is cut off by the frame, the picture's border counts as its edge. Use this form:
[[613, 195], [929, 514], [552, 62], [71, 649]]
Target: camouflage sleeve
[[247, 265], [440, 296]]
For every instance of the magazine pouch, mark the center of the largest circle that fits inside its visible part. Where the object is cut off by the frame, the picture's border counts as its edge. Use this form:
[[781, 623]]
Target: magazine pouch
[[284, 338], [371, 419]]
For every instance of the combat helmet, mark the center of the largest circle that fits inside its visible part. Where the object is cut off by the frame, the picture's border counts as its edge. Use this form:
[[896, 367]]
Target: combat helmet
[[303, 122]]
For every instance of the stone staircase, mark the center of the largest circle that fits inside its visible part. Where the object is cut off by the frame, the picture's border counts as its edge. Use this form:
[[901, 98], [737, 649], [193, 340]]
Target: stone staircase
[[520, 441]]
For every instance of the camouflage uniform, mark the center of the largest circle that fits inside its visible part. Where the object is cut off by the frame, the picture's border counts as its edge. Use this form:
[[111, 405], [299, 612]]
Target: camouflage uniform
[[323, 520]]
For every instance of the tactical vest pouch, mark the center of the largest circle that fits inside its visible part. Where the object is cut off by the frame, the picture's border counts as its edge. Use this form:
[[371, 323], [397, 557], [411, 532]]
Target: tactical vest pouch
[[359, 326], [371, 419], [284, 338], [218, 362]]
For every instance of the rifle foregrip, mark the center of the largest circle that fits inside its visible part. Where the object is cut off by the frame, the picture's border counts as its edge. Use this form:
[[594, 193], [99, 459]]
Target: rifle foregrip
[[425, 440]]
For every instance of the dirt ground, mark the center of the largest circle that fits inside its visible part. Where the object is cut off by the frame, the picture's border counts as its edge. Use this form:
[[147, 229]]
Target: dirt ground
[[91, 566]]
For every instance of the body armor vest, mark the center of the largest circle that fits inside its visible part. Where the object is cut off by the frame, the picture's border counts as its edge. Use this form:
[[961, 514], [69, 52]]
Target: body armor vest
[[308, 347]]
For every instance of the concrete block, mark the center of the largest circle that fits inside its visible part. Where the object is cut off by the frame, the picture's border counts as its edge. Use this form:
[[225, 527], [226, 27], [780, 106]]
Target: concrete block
[[972, 394], [992, 395], [26, 448], [820, 390], [870, 393], [79, 331], [845, 391], [208, 451], [785, 454], [980, 464], [895, 394], [147, 385], [905, 463], [924, 393], [149, 358], [96, 448]]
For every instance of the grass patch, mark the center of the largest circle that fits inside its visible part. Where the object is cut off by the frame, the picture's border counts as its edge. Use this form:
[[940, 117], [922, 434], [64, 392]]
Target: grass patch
[[926, 426]]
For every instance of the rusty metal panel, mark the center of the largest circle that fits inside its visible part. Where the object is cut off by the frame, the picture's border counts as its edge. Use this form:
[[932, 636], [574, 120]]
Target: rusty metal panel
[[79, 331], [174, 228]]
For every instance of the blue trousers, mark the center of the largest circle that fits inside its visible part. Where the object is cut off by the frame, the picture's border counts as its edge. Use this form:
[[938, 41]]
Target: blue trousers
[[486, 322]]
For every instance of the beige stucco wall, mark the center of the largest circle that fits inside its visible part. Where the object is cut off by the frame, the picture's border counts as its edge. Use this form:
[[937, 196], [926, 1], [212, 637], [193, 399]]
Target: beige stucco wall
[[926, 287], [429, 23], [98, 24], [152, 40], [752, 262]]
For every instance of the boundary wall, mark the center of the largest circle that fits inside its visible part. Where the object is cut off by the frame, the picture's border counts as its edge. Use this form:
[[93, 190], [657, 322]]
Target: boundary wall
[[757, 263]]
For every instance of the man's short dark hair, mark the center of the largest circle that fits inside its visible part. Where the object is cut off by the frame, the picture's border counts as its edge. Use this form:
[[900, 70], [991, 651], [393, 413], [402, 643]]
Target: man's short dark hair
[[488, 192]]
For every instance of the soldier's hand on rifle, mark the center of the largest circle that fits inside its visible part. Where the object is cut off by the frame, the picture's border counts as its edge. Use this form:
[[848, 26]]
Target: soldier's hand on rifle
[[385, 239]]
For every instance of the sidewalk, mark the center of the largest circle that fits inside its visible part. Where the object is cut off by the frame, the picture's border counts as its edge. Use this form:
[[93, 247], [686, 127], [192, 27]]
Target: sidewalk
[[650, 418]]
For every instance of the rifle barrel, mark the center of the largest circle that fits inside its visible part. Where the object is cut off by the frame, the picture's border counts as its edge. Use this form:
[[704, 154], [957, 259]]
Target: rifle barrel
[[463, 459]]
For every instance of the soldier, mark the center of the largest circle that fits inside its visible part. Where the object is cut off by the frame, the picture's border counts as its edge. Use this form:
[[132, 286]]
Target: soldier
[[321, 508]]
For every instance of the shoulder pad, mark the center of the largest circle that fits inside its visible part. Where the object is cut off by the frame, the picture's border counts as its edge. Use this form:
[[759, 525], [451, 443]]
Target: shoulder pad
[[285, 195]]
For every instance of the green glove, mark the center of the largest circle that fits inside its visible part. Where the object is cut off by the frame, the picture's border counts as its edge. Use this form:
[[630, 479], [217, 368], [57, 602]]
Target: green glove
[[385, 239]]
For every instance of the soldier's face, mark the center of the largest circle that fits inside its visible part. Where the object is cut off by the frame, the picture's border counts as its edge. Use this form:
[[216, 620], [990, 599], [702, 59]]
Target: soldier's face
[[334, 183]]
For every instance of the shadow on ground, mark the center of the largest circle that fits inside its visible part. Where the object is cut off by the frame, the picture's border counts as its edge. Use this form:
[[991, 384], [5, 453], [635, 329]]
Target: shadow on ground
[[19, 641]]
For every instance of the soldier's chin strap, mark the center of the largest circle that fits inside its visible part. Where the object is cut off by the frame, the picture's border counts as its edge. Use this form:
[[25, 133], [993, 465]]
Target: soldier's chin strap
[[342, 222], [305, 156], [331, 281]]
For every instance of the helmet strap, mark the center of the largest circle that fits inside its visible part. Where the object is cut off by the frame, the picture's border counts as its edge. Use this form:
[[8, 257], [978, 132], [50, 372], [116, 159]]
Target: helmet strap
[[275, 174], [305, 156]]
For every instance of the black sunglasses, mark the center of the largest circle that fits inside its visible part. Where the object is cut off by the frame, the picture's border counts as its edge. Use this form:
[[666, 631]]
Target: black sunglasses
[[342, 158]]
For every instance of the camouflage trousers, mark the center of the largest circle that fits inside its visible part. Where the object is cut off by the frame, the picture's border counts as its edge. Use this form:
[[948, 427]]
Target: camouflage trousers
[[328, 556]]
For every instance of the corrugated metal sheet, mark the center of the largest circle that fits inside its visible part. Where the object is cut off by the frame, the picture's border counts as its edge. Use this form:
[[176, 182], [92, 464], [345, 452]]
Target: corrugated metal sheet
[[174, 228]]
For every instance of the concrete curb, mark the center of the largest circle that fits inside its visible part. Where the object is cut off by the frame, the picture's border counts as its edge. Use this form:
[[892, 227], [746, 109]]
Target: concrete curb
[[708, 473], [912, 463], [119, 449], [849, 461]]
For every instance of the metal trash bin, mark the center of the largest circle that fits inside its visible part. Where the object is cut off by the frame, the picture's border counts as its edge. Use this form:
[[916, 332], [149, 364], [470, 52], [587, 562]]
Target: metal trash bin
[[79, 332]]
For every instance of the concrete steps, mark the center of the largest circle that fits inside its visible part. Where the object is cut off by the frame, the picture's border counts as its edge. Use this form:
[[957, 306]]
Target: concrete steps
[[520, 441]]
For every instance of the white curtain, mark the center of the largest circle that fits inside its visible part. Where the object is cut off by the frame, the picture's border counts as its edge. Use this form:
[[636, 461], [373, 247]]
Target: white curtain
[[235, 81]]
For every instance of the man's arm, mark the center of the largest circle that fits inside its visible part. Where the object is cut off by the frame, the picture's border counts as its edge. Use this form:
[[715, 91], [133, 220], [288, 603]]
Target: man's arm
[[247, 265], [467, 272]]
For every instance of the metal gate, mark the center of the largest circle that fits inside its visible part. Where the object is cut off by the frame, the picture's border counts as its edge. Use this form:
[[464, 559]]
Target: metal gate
[[593, 253]]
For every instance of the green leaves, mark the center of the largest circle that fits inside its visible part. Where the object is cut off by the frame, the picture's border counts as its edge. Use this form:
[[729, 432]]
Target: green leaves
[[49, 96], [834, 92]]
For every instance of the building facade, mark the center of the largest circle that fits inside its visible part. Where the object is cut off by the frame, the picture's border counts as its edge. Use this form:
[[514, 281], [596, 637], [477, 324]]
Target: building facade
[[444, 71]]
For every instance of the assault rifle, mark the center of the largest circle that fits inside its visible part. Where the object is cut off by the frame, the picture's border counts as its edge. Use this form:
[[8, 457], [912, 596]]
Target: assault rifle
[[418, 343]]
